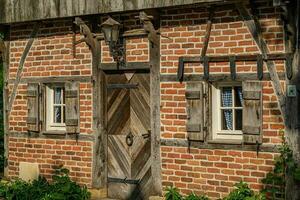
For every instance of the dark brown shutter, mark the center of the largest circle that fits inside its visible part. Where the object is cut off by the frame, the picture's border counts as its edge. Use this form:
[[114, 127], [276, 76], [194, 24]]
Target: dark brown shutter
[[252, 112], [33, 107], [195, 116], [72, 107], [42, 106]]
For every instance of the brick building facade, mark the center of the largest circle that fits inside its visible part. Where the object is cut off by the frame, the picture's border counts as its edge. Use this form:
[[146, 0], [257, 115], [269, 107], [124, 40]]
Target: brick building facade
[[211, 166]]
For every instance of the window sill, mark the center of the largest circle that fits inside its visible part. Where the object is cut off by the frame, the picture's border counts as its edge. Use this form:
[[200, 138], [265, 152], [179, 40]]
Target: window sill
[[58, 133], [225, 141]]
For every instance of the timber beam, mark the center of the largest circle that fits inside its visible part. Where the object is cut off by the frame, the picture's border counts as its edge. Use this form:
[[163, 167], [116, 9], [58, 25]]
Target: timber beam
[[128, 66], [180, 72], [226, 58], [21, 66], [255, 29], [232, 59], [219, 77], [154, 60]]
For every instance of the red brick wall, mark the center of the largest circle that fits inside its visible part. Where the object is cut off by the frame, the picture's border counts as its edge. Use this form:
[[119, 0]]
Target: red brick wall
[[50, 153], [183, 29], [50, 56], [214, 172]]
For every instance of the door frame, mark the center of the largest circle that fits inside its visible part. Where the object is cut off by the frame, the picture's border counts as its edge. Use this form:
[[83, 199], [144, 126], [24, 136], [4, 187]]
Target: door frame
[[99, 168], [99, 179]]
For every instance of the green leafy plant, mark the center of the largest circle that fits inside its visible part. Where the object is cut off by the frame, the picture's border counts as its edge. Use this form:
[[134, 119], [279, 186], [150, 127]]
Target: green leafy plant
[[243, 192], [173, 194], [61, 188], [1, 114], [275, 181], [193, 196]]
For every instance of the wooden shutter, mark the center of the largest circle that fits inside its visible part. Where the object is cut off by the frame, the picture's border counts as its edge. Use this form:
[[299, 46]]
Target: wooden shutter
[[33, 107], [195, 111], [252, 112], [42, 106], [72, 107]]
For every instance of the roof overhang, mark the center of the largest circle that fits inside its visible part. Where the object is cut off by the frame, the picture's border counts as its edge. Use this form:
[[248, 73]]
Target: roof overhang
[[13, 11]]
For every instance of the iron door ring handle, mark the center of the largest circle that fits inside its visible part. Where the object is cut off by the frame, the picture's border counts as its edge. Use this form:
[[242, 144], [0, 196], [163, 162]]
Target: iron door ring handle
[[129, 139]]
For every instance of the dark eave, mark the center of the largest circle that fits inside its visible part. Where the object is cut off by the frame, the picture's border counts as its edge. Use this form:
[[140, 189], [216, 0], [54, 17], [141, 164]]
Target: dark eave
[[13, 11]]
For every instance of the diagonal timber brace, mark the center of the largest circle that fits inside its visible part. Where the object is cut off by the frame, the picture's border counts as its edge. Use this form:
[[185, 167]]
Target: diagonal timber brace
[[21, 66], [255, 29], [91, 40], [180, 70]]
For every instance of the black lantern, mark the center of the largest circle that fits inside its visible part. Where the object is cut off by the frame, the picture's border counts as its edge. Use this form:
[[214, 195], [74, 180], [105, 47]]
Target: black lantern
[[111, 31]]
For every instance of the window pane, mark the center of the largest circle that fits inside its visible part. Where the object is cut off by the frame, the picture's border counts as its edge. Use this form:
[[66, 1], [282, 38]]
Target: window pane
[[226, 96], [238, 96], [57, 114], [238, 119], [227, 119], [57, 95]]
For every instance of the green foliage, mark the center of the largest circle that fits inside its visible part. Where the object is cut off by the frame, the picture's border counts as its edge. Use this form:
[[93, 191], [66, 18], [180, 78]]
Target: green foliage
[[243, 192], [193, 196], [62, 188], [275, 181], [173, 194], [1, 120], [1, 113]]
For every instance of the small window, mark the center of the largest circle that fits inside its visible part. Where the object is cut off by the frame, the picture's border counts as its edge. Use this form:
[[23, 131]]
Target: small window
[[227, 111], [55, 107]]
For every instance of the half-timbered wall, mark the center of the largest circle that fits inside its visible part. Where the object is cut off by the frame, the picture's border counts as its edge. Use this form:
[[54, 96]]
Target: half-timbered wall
[[203, 167], [50, 60], [214, 168]]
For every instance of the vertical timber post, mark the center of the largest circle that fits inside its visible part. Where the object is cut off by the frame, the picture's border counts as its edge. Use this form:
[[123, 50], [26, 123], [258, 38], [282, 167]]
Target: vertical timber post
[[99, 168], [5, 62], [291, 23], [154, 60]]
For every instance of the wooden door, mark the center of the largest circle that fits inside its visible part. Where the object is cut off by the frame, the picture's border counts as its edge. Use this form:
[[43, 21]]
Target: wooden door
[[128, 128]]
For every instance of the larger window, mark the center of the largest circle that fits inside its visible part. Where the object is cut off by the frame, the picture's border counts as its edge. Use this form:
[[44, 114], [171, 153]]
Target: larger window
[[227, 111], [55, 107]]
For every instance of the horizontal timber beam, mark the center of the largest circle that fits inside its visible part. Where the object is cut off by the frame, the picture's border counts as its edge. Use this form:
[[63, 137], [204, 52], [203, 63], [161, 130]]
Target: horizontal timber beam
[[218, 77], [122, 86], [128, 66], [28, 10], [56, 79], [269, 57], [217, 145], [81, 137]]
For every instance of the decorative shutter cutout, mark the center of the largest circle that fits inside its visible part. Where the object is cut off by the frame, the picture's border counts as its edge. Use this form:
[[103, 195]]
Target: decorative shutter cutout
[[33, 107], [72, 107], [252, 112], [195, 108]]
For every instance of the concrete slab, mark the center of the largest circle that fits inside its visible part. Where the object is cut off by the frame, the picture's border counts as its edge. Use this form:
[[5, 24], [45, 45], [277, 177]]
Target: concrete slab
[[28, 171]]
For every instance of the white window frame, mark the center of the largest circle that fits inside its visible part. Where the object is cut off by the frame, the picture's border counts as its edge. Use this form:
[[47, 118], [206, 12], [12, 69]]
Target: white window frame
[[217, 132], [50, 125]]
